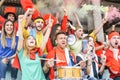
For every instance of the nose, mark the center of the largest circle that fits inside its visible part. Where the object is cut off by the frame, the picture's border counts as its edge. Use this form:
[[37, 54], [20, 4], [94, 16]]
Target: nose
[[64, 40], [9, 26]]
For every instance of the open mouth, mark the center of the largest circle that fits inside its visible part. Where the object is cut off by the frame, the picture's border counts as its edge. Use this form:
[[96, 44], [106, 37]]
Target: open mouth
[[39, 27], [32, 42], [116, 43], [63, 43], [9, 29], [81, 34]]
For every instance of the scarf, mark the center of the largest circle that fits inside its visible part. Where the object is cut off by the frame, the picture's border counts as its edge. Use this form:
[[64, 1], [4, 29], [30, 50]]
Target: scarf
[[33, 52], [69, 58]]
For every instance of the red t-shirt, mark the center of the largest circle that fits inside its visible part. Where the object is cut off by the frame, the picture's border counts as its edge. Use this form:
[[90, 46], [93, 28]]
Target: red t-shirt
[[60, 55], [113, 64]]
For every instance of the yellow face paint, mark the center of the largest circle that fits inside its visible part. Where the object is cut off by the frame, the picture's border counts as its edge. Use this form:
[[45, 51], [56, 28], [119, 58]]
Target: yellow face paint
[[41, 20]]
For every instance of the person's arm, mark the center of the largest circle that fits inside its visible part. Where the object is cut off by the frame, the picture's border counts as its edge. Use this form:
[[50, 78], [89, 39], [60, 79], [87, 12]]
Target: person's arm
[[28, 15], [25, 21], [99, 47], [49, 63], [80, 62], [89, 64], [78, 20], [103, 62], [20, 33], [96, 31], [1, 2], [46, 36], [29, 4], [57, 16], [88, 67], [44, 30], [64, 21], [11, 57], [46, 67], [2, 20]]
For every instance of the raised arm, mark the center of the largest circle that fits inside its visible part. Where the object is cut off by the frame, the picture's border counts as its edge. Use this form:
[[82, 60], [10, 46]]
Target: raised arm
[[1, 2], [2, 20], [104, 20], [19, 33], [29, 4], [25, 21], [28, 16], [57, 16], [103, 61], [47, 34], [78, 20], [64, 21]]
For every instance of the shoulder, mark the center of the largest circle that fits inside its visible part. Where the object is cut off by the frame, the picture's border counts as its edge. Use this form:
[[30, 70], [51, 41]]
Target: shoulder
[[108, 53], [51, 54]]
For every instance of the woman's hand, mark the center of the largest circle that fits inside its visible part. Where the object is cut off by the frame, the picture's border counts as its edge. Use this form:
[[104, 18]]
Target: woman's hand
[[103, 59], [82, 64], [50, 63], [5, 60]]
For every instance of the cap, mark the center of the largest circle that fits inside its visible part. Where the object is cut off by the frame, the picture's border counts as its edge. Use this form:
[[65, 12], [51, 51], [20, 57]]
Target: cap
[[10, 10]]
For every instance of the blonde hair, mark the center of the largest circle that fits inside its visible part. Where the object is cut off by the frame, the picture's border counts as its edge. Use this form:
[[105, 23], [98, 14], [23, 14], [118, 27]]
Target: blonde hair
[[4, 34], [78, 27]]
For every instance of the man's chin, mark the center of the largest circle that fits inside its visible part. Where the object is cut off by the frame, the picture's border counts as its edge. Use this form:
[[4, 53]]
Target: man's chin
[[80, 38], [115, 46], [63, 47], [38, 29]]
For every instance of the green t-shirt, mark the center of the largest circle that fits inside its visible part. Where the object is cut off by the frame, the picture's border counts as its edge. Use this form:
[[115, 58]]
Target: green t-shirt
[[31, 69], [76, 47]]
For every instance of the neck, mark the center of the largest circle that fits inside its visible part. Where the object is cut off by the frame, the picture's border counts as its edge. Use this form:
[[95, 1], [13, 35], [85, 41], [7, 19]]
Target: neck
[[8, 35], [76, 37], [112, 47], [60, 48], [38, 31], [30, 48]]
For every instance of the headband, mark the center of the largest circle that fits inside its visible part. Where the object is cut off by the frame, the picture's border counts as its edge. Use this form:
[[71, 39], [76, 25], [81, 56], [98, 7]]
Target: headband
[[112, 34], [35, 21]]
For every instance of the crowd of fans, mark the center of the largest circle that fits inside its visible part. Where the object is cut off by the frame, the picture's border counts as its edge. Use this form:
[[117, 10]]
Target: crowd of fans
[[38, 45]]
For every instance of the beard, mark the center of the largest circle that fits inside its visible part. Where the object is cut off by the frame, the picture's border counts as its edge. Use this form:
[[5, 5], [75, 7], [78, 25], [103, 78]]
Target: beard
[[38, 28]]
